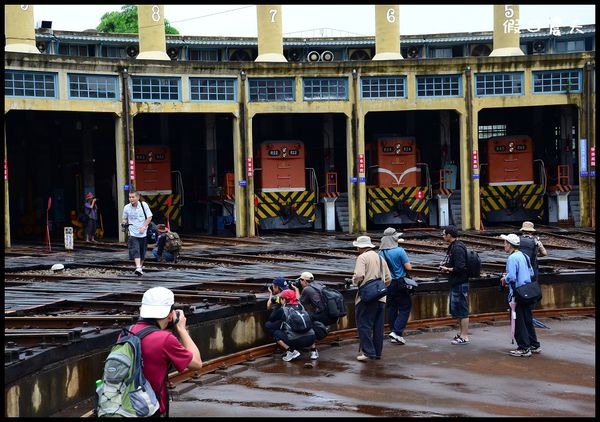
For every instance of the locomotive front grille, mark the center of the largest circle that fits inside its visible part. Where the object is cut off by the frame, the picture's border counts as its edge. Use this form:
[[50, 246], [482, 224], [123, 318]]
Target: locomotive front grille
[[384, 200]]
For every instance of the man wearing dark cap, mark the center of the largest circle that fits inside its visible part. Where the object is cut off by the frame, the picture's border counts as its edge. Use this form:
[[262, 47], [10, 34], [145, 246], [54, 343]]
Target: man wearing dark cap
[[274, 303]]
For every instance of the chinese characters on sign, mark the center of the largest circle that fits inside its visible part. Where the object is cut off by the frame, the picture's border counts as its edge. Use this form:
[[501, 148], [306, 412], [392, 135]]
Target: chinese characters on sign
[[475, 159], [592, 156], [512, 25], [249, 167], [132, 169], [361, 163]]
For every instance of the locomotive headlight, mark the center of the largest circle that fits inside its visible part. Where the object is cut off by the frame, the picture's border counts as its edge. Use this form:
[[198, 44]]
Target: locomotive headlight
[[511, 147], [284, 151]]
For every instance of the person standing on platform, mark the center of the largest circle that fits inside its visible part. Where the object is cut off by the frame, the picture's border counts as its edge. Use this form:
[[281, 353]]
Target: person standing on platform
[[138, 220], [518, 273], [531, 246], [398, 301], [455, 265], [369, 316], [91, 211]]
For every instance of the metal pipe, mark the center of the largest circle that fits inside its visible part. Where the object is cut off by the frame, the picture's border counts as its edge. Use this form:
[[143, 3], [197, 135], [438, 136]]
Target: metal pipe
[[469, 98], [588, 127], [129, 153], [356, 205], [244, 142]]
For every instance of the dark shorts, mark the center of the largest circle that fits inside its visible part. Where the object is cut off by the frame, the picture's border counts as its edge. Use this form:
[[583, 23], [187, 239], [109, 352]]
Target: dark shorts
[[136, 247], [459, 300]]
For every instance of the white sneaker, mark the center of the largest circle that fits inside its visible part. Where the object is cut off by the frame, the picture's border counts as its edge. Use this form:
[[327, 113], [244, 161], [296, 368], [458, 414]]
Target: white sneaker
[[395, 338], [139, 272], [314, 354], [291, 355]]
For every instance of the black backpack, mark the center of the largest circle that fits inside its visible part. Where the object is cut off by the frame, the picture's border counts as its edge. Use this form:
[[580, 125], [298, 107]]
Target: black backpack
[[473, 262], [296, 320], [333, 301]]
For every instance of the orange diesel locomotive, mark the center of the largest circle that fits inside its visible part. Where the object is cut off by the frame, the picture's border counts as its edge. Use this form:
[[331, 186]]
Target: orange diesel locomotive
[[400, 189], [154, 181], [509, 189], [282, 198]]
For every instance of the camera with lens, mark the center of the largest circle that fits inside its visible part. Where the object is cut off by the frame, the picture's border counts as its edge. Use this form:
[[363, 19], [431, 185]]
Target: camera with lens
[[294, 283], [124, 227]]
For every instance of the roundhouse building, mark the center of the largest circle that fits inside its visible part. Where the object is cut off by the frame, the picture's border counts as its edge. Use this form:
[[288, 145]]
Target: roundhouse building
[[237, 135]]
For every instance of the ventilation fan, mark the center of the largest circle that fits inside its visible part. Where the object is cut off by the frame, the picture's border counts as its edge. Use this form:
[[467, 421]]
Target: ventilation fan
[[326, 56], [313, 56], [360, 55], [41, 46], [413, 52], [293, 55], [240, 56], [173, 53], [539, 46], [132, 51], [481, 50]]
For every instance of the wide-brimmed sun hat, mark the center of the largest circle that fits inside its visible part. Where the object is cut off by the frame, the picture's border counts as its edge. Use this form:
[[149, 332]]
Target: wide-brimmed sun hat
[[390, 238], [527, 226], [363, 242], [513, 239]]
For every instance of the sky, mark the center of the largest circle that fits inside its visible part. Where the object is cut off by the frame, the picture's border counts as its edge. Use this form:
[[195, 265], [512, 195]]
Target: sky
[[324, 20]]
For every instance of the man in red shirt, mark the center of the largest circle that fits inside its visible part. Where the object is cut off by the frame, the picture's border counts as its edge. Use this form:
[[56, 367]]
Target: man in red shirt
[[159, 348]]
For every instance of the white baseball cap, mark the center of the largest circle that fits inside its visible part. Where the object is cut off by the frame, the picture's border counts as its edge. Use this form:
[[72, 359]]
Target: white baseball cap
[[513, 239], [157, 303]]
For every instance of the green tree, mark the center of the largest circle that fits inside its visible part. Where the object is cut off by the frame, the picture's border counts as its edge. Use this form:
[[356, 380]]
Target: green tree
[[126, 21]]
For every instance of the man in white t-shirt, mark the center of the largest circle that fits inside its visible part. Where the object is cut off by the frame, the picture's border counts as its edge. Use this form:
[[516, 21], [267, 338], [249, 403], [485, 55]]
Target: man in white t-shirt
[[138, 219]]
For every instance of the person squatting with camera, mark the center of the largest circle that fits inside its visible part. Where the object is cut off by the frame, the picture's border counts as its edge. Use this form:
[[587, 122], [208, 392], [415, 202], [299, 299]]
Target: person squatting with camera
[[291, 341], [398, 302], [308, 291], [274, 303]]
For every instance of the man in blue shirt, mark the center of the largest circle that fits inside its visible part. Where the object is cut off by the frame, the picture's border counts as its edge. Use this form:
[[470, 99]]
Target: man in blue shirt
[[398, 301], [518, 273]]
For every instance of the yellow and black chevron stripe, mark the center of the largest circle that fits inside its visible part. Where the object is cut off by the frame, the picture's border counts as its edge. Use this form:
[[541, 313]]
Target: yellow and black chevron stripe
[[159, 203], [269, 204], [383, 200], [496, 198]]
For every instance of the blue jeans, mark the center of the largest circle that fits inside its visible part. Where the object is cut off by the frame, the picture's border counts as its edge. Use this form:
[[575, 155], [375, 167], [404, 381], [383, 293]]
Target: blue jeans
[[459, 300], [398, 311], [369, 323], [168, 256]]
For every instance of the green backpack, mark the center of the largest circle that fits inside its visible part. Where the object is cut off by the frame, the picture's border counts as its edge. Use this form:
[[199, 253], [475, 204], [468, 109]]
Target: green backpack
[[124, 390]]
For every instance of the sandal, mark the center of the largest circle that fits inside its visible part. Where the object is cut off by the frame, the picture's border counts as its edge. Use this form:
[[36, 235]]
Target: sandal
[[460, 340]]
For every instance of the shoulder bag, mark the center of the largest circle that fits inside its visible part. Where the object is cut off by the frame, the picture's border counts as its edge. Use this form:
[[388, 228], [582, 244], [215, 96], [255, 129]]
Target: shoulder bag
[[528, 293], [152, 229], [402, 284], [374, 289]]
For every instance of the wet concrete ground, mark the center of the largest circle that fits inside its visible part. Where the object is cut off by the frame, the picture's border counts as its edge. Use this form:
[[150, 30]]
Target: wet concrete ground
[[426, 377]]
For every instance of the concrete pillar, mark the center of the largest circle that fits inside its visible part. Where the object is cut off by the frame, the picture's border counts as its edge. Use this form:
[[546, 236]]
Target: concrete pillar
[[249, 141], [506, 31], [151, 25], [351, 165], [19, 28], [7, 243], [122, 168], [270, 38], [238, 169], [387, 32]]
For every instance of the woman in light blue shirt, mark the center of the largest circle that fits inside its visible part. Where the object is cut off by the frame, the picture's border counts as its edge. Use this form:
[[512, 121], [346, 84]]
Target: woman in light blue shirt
[[518, 273]]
